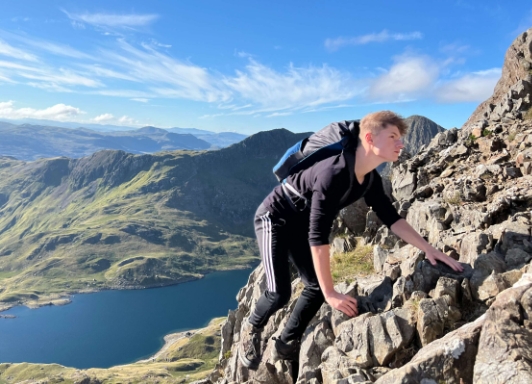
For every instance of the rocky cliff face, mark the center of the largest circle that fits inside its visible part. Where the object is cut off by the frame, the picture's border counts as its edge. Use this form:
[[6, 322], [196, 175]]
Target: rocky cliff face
[[470, 193]]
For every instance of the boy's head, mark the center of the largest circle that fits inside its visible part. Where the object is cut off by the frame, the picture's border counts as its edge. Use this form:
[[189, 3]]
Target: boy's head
[[381, 133], [377, 121]]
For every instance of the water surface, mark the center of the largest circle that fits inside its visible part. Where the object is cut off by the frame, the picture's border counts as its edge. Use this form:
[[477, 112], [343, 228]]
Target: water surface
[[115, 327]]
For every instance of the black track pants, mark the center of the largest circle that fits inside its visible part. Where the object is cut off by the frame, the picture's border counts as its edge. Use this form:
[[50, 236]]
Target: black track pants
[[280, 241]]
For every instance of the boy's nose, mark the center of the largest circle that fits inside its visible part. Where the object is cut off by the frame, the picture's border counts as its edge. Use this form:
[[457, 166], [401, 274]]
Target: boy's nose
[[399, 144]]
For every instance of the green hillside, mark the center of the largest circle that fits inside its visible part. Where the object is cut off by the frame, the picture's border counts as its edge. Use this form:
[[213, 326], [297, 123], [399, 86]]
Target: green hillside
[[117, 220]]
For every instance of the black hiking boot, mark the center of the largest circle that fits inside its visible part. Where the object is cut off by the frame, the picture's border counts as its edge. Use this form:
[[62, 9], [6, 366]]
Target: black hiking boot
[[249, 349], [286, 351]]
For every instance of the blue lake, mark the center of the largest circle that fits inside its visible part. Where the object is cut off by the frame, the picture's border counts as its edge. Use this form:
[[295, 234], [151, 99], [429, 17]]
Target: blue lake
[[115, 327]]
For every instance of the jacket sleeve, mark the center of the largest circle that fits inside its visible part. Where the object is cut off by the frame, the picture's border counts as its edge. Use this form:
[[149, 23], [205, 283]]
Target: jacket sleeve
[[380, 203], [326, 195]]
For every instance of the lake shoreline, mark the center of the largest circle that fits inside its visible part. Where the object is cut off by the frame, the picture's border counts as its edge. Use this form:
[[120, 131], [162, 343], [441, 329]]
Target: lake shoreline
[[60, 299]]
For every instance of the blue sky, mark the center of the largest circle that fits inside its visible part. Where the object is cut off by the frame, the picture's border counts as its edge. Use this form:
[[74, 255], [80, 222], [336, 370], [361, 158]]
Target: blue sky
[[247, 66]]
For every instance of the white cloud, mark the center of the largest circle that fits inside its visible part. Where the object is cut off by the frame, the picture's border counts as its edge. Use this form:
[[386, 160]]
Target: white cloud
[[472, 87], [409, 77], [59, 112], [381, 37], [293, 89], [103, 118], [126, 120], [140, 99], [9, 50], [113, 20]]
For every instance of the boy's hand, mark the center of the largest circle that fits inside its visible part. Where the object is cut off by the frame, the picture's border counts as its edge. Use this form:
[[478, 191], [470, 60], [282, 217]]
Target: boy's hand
[[344, 303], [433, 254]]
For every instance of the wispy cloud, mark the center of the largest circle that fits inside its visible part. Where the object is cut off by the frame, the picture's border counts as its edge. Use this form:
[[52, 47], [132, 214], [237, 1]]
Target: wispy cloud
[[168, 77], [140, 99], [276, 114], [9, 50], [113, 20], [59, 112], [472, 87], [295, 88], [381, 37], [64, 77]]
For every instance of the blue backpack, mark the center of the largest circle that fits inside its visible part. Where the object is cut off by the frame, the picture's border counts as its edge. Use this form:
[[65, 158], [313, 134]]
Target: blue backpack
[[334, 139]]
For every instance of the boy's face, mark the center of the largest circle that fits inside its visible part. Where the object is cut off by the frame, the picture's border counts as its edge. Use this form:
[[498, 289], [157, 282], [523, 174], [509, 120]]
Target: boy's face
[[387, 143]]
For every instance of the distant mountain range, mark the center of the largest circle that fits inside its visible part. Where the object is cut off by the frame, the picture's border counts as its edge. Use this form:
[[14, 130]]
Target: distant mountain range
[[31, 142]]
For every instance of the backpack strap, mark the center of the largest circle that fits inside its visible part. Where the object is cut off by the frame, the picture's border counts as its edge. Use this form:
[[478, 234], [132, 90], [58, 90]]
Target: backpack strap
[[350, 160]]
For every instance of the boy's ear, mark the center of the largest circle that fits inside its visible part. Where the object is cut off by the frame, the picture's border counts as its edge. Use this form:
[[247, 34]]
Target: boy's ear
[[369, 137]]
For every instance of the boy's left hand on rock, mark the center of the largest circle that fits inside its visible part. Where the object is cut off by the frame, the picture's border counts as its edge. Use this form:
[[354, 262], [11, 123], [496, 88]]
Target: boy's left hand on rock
[[435, 255]]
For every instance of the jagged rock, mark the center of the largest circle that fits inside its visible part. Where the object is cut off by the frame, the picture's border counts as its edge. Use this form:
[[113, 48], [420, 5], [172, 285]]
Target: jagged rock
[[336, 366], [512, 277], [491, 286], [474, 244], [513, 234], [431, 318], [343, 244], [410, 257], [379, 257], [504, 352], [404, 183], [467, 295], [450, 359], [484, 266], [426, 275], [427, 218], [516, 257], [227, 333], [449, 287], [375, 294], [385, 237], [402, 291], [315, 341], [371, 340], [353, 216]]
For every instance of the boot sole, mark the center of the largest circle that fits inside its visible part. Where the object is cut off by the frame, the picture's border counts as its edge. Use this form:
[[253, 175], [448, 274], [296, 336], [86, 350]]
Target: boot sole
[[247, 363]]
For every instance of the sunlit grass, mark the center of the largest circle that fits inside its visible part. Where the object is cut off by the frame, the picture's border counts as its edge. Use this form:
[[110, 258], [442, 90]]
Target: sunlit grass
[[347, 265]]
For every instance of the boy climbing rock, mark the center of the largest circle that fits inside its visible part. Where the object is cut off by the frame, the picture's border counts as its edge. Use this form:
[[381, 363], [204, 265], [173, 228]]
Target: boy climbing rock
[[294, 222]]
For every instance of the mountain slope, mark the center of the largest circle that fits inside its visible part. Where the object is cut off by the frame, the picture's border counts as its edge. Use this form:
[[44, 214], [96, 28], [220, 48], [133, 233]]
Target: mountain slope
[[114, 219], [420, 132]]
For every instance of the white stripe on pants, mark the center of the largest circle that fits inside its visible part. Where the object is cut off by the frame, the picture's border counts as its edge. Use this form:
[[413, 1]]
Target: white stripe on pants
[[267, 251]]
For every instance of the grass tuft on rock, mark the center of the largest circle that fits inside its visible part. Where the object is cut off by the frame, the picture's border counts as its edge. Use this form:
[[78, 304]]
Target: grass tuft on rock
[[358, 262]]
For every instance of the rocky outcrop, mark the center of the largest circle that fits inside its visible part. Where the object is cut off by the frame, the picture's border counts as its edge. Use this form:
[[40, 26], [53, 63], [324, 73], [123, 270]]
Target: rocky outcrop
[[469, 192], [512, 92]]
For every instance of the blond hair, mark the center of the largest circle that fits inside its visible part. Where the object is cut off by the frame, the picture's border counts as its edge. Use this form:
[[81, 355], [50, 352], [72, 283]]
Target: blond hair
[[377, 121]]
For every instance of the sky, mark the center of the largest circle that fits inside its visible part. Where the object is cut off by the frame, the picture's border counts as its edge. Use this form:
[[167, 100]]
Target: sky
[[249, 66]]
